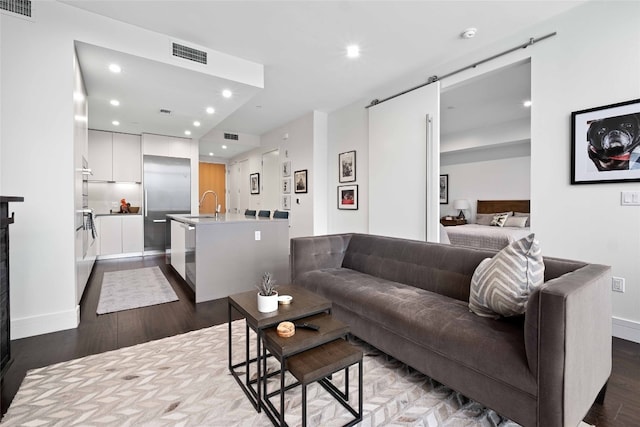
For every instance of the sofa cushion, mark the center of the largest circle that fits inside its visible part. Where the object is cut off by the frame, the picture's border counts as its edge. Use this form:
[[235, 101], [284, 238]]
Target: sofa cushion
[[435, 322], [501, 285], [445, 269]]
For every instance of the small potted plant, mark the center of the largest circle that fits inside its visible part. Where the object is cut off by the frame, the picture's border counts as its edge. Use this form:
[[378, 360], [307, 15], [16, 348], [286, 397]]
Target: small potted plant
[[267, 294]]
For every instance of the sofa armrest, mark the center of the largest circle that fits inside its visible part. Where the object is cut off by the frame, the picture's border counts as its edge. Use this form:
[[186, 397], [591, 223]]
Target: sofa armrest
[[318, 252], [573, 343]]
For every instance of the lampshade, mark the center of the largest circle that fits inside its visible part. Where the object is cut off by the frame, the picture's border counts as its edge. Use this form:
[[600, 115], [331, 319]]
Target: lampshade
[[461, 204]]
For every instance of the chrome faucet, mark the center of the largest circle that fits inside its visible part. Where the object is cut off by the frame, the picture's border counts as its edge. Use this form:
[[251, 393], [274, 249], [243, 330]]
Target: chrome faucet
[[215, 194]]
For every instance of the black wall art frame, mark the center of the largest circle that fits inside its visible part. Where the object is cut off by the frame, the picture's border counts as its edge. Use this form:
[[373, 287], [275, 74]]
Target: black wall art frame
[[348, 197], [444, 189], [300, 181], [347, 166], [254, 183], [605, 144]]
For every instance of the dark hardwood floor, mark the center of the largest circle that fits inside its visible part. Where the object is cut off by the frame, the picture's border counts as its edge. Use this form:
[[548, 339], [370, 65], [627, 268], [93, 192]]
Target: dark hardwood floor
[[97, 334]]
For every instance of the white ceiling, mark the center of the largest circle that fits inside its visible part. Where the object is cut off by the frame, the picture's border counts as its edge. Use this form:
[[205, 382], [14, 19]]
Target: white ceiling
[[302, 44]]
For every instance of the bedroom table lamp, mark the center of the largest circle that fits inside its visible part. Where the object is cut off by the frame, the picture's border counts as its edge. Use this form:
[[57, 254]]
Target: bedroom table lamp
[[461, 204]]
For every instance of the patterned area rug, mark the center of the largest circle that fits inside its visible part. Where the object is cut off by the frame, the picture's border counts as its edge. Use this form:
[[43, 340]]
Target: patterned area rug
[[139, 287], [184, 381]]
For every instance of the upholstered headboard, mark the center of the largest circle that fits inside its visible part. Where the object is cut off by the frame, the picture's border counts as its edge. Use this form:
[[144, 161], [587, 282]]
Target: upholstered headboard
[[493, 206]]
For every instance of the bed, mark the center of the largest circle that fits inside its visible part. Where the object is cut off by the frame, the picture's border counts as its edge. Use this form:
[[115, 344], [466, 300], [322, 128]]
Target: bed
[[483, 235]]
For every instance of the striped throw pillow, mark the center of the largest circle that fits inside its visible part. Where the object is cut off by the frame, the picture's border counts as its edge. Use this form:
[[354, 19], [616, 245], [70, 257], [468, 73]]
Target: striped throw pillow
[[501, 285]]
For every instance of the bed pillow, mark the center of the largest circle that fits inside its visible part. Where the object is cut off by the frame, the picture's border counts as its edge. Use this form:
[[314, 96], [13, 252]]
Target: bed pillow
[[527, 214], [501, 285], [484, 219], [516, 221], [499, 220]]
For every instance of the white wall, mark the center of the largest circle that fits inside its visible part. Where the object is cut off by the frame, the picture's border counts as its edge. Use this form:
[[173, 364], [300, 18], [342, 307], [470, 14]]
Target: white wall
[[503, 179], [301, 141], [565, 78], [348, 131], [37, 150]]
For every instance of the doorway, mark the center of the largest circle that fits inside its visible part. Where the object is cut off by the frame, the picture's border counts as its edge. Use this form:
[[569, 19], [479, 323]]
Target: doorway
[[212, 177]]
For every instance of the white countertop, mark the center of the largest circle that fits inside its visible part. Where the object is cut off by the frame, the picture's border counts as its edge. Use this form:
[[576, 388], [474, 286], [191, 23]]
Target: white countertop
[[209, 219]]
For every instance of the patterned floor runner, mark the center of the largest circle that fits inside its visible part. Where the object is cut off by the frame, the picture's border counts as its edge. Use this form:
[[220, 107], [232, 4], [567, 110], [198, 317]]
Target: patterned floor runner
[[139, 287]]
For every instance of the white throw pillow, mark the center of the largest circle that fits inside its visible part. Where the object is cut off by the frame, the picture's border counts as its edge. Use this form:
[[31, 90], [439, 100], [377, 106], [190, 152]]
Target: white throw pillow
[[516, 221], [501, 285]]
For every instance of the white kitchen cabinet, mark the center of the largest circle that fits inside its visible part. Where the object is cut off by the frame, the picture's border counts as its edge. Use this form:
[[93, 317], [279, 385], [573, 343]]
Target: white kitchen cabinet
[[115, 156], [120, 235], [166, 146], [127, 158], [132, 234], [101, 155]]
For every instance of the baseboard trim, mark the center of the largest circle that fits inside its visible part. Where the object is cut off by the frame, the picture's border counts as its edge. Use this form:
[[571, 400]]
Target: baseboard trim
[[626, 329], [43, 324]]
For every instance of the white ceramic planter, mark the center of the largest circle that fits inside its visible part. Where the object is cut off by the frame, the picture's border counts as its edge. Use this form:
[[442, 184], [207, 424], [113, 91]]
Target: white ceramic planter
[[267, 304]]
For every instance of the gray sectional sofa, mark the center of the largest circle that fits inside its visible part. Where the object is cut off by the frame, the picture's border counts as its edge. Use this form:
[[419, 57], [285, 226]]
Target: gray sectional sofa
[[410, 300]]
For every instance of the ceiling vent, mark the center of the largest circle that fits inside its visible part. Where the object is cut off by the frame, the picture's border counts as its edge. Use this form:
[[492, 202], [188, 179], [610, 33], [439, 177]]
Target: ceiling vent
[[165, 111], [19, 7], [188, 53], [232, 136]]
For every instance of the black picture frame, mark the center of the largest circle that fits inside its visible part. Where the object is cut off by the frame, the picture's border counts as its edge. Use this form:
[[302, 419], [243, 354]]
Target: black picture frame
[[254, 183], [605, 144], [444, 189], [347, 166], [300, 182], [348, 197]]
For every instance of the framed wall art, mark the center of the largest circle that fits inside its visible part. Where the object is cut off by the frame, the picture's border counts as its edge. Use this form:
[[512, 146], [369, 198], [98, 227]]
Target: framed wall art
[[286, 203], [286, 168], [347, 166], [348, 197], [286, 185], [444, 189], [605, 144], [254, 183], [300, 181]]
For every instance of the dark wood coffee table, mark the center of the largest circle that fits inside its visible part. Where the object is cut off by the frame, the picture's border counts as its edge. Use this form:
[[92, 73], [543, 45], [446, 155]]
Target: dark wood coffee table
[[313, 356], [304, 304]]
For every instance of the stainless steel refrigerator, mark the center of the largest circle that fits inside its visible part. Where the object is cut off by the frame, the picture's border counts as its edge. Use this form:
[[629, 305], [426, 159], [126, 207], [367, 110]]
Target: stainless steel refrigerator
[[167, 190]]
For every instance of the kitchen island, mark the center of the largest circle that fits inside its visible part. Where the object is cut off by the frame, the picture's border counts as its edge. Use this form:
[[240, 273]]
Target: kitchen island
[[221, 256]]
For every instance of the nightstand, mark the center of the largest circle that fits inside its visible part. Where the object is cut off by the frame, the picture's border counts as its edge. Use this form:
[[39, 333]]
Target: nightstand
[[452, 221]]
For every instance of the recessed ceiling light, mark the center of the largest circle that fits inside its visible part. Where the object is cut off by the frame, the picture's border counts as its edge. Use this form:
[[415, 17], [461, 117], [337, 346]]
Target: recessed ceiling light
[[224, 147], [210, 110], [211, 154], [353, 51], [227, 93], [114, 102], [527, 103], [196, 123], [114, 68], [115, 123], [469, 33], [187, 132]]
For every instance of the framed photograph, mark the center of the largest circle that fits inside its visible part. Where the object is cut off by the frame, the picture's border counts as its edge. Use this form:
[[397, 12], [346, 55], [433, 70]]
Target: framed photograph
[[286, 168], [348, 197], [286, 185], [347, 166], [605, 144], [286, 203], [444, 189], [254, 183], [300, 181]]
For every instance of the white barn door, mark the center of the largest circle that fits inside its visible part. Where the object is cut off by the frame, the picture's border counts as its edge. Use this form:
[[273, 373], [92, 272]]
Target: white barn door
[[404, 165]]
